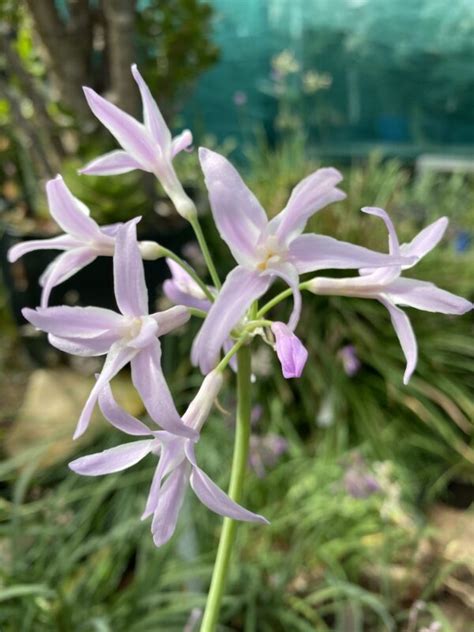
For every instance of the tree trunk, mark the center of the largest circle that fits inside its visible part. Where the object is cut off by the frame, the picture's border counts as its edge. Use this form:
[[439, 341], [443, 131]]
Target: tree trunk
[[120, 25], [68, 49]]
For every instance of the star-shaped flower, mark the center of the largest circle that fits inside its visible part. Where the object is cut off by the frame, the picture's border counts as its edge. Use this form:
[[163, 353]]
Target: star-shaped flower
[[131, 335], [387, 285]]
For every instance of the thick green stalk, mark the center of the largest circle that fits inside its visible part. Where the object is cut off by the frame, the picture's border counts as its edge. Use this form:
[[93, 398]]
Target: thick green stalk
[[239, 465], [194, 221]]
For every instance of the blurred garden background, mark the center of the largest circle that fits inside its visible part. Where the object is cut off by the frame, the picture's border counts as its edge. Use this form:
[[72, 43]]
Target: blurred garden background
[[367, 483]]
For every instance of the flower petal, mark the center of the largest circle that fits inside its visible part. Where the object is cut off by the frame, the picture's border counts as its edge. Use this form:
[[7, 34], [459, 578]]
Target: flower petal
[[427, 239], [148, 379], [152, 117], [85, 347], [218, 501], [240, 289], [113, 460], [239, 216], [404, 330], [65, 266], [311, 195], [118, 417], [129, 276], [169, 503], [75, 322], [132, 135], [426, 296], [62, 242], [111, 164], [182, 289], [290, 350], [319, 252], [171, 319], [393, 244], [69, 212], [117, 358], [181, 142], [172, 454]]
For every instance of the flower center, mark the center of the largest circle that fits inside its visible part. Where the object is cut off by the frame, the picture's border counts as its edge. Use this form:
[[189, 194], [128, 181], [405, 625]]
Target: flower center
[[270, 252]]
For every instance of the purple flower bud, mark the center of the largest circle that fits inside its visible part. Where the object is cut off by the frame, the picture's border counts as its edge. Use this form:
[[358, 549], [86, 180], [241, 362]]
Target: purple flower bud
[[350, 360], [290, 350]]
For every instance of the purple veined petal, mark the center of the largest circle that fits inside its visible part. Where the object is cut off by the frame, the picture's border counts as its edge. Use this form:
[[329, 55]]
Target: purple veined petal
[[311, 195], [116, 359], [170, 500], [132, 135], [85, 347], [170, 319], [172, 455], [62, 242], [65, 266], [176, 295], [112, 460], [110, 230], [181, 142], [426, 296], [148, 379], [118, 417], [393, 244], [216, 500], [404, 330], [427, 239], [75, 322], [152, 117], [237, 213], [289, 274], [240, 289], [290, 350], [129, 276], [69, 212], [319, 252], [111, 164]]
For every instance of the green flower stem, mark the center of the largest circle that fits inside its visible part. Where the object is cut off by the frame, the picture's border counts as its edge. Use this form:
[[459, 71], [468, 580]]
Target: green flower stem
[[164, 252], [199, 313], [194, 221], [239, 465], [278, 299]]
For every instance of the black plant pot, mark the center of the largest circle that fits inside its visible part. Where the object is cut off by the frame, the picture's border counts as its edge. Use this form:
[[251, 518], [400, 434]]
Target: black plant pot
[[91, 286]]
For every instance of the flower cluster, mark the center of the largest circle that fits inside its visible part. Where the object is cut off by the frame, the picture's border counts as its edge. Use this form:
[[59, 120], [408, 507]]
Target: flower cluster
[[264, 250]]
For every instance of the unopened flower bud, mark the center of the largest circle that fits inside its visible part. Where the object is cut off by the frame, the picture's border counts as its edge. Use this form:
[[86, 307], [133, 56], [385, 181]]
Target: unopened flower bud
[[150, 250], [199, 409], [290, 350]]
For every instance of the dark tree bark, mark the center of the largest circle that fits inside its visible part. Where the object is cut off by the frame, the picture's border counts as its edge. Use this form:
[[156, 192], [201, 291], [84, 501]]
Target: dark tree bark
[[120, 25], [67, 48]]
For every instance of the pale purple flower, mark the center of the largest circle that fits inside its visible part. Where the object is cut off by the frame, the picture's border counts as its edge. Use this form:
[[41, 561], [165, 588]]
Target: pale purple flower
[[176, 467], [350, 360], [265, 250], [147, 146], [290, 350], [239, 98], [359, 483], [131, 336], [387, 286], [83, 240], [265, 452]]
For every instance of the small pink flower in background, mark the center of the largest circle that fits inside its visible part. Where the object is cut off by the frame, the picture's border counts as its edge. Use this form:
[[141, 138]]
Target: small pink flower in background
[[129, 336], [386, 285], [290, 350], [265, 451], [240, 98], [350, 360], [359, 483], [177, 465], [147, 146], [266, 250], [83, 240]]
